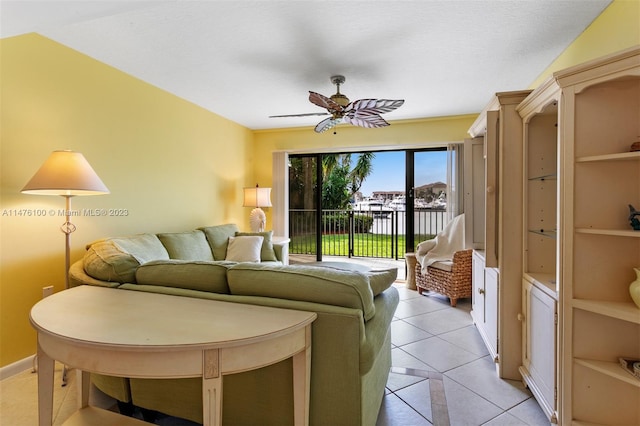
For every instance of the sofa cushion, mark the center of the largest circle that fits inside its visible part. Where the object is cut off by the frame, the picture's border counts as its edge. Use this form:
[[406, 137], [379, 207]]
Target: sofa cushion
[[194, 275], [190, 245], [306, 283], [381, 279], [218, 238], [267, 254], [244, 249], [116, 259]]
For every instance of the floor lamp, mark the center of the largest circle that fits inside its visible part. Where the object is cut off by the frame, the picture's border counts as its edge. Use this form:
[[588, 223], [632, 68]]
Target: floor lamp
[[68, 174]]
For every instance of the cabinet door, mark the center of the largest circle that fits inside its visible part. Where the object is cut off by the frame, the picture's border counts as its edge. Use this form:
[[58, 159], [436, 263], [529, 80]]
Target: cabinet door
[[485, 303], [491, 278], [540, 347], [477, 279]]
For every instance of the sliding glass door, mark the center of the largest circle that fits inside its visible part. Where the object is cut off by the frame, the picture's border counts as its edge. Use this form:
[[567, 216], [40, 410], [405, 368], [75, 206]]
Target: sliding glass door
[[371, 204], [304, 205]]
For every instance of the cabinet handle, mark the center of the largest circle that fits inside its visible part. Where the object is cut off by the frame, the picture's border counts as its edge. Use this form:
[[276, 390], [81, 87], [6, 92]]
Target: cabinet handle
[[520, 317], [490, 189], [481, 290]]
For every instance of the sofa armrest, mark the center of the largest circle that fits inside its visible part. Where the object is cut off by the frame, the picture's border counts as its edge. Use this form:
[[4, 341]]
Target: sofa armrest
[[77, 276], [281, 248]]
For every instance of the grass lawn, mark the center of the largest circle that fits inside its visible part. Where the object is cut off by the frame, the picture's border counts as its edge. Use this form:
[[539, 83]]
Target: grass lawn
[[364, 245]]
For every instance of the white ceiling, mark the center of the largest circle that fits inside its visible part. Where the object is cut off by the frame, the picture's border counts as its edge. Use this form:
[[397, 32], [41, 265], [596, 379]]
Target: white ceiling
[[247, 60]]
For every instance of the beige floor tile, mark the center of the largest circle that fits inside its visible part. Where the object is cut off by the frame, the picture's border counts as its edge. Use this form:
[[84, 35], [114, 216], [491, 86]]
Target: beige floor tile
[[480, 377], [439, 354], [395, 412]]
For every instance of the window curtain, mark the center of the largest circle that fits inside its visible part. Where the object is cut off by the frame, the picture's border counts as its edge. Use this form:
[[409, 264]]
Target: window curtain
[[280, 194], [455, 192]]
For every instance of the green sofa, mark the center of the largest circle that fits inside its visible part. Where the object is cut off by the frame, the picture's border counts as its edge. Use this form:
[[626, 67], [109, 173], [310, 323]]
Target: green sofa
[[351, 337]]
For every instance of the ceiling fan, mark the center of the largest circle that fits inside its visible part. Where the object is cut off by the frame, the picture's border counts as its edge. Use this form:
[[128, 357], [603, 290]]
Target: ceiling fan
[[362, 113]]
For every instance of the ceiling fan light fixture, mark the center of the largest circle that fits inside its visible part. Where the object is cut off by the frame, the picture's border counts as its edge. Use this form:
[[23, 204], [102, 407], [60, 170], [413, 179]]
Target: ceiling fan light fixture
[[361, 113], [340, 99]]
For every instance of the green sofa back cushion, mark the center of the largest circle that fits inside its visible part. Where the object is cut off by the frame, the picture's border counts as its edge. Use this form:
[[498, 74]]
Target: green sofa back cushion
[[116, 259], [381, 279], [218, 238], [306, 283], [267, 254], [191, 245], [194, 275]]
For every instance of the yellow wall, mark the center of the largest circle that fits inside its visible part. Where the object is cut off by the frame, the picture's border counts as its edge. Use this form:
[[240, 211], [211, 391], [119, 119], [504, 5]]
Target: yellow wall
[[160, 157], [617, 28], [401, 134]]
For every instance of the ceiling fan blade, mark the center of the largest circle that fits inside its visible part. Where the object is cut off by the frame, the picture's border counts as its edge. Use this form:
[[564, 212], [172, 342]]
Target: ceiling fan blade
[[366, 112], [324, 102], [369, 121], [327, 124], [378, 106], [309, 114]]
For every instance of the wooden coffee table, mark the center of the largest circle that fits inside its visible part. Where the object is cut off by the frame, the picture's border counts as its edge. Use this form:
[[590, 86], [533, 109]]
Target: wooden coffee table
[[146, 335]]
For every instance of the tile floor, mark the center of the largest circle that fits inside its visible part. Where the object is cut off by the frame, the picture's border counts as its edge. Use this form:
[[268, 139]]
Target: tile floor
[[427, 336]]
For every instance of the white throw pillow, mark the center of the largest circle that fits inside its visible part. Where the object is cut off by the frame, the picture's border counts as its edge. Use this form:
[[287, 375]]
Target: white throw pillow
[[244, 249]]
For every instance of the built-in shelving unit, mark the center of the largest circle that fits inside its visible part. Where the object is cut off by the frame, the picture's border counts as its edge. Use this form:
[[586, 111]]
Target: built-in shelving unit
[[497, 289], [586, 260], [541, 281], [605, 322]]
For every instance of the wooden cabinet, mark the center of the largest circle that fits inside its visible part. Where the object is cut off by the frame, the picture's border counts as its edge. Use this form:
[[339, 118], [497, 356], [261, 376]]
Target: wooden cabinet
[[499, 292], [539, 360], [484, 310], [579, 247], [540, 272]]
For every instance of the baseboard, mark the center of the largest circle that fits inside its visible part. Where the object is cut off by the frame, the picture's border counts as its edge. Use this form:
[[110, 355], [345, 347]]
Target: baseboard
[[17, 367]]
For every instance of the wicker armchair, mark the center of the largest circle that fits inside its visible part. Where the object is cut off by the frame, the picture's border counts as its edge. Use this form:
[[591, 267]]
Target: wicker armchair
[[452, 279]]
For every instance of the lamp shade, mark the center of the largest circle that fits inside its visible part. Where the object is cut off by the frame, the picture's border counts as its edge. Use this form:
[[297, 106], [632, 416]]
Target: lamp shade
[[65, 173], [257, 197]]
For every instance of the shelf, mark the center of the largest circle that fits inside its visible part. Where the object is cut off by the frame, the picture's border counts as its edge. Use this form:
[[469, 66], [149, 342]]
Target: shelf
[[545, 282], [550, 233], [553, 176], [623, 156], [611, 369], [610, 232], [626, 311]]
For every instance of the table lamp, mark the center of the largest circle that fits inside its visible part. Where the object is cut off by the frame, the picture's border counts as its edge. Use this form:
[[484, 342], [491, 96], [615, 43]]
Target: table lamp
[[257, 197]]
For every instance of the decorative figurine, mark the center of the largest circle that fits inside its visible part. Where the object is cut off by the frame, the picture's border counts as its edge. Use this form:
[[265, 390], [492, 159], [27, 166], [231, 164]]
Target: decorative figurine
[[634, 218]]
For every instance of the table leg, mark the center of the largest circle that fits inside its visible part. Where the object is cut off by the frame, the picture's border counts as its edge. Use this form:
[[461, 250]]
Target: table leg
[[83, 379], [211, 389], [302, 382], [45, 388]]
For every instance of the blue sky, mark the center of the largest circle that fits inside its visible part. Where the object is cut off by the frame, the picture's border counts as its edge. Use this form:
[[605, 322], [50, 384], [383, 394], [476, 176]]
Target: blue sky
[[389, 170]]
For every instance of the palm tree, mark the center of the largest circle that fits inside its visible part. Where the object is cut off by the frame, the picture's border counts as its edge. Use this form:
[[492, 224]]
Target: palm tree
[[336, 170], [361, 171]]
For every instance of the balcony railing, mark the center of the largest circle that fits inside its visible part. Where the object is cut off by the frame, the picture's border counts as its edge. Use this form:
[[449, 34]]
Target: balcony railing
[[350, 233]]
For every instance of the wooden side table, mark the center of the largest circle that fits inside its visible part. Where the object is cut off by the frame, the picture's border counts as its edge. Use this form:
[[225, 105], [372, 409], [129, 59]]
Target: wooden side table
[[146, 335], [411, 270]]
